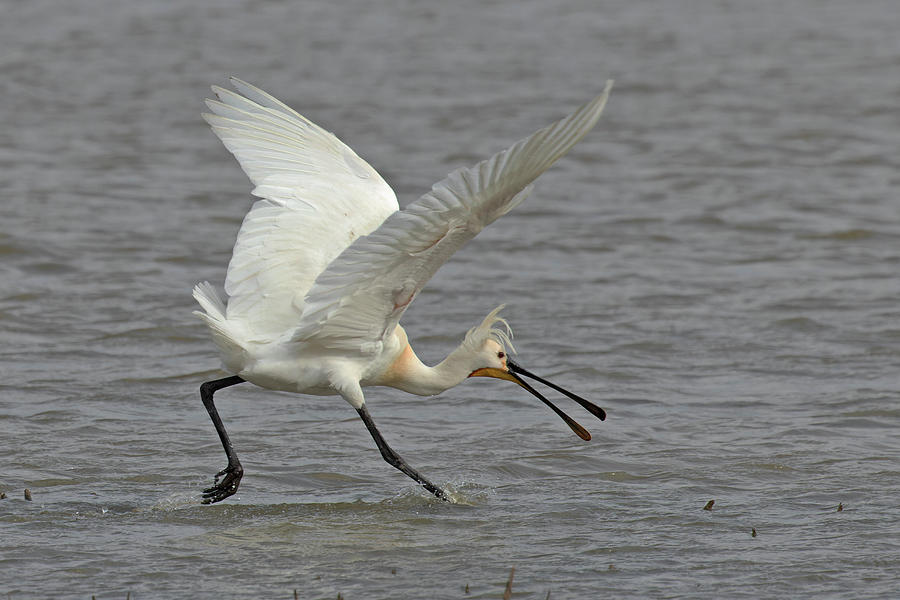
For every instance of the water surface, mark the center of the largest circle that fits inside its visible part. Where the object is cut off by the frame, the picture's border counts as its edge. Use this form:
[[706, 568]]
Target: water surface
[[716, 265]]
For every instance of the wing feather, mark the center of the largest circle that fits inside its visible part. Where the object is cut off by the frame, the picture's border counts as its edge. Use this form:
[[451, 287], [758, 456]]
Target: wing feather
[[359, 298], [317, 196]]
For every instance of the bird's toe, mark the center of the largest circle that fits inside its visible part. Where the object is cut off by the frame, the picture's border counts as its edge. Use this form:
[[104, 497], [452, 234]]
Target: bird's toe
[[225, 488]]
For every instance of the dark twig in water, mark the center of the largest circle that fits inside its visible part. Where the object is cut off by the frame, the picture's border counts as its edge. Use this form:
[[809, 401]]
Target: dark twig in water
[[507, 593], [709, 505]]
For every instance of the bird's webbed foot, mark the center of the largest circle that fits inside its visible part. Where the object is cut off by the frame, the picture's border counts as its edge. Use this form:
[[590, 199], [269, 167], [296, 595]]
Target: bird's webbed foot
[[227, 487]]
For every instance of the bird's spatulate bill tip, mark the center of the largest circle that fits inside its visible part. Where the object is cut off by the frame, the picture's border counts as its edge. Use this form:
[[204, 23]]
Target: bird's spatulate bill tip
[[580, 431]]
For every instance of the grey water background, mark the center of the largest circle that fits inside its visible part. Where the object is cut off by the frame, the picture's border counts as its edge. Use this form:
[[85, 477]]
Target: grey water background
[[716, 265]]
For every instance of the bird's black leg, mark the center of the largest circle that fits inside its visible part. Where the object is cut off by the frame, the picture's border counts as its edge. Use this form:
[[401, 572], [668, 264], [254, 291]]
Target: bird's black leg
[[234, 471], [395, 459]]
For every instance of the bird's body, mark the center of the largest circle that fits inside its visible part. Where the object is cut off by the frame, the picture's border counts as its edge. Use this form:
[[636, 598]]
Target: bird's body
[[326, 263], [290, 367]]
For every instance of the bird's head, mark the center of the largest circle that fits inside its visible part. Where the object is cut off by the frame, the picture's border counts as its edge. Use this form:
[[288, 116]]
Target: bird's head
[[489, 345]]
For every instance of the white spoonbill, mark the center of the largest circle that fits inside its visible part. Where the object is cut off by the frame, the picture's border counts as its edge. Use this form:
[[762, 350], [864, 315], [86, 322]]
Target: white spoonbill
[[326, 263]]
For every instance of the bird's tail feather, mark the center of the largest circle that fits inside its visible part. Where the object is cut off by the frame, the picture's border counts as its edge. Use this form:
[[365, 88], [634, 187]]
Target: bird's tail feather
[[223, 334]]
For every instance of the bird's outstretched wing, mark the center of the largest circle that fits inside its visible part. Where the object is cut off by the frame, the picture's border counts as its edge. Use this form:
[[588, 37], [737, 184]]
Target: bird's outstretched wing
[[318, 196], [359, 298]]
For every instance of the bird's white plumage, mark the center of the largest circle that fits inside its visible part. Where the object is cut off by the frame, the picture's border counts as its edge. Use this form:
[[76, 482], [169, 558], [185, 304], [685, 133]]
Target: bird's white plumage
[[325, 264], [317, 197], [359, 298]]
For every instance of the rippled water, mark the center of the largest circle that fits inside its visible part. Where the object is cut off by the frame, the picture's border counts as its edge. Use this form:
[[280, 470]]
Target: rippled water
[[717, 265]]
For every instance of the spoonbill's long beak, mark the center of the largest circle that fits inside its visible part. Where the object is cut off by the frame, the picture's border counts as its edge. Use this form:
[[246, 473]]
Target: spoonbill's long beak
[[513, 374]]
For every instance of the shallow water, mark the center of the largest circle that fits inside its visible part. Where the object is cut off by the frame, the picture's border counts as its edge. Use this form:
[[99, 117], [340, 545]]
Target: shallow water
[[716, 265]]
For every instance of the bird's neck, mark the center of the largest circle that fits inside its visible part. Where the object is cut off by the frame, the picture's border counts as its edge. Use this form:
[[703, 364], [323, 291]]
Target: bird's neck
[[410, 374]]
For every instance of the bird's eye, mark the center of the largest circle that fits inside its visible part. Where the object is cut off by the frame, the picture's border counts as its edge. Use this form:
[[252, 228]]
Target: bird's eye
[[500, 355]]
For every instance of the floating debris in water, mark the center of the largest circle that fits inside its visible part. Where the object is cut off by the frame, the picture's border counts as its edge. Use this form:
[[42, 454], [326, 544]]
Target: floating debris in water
[[507, 593], [394, 571], [709, 505], [2, 495], [28, 494], [753, 532], [467, 588], [840, 506]]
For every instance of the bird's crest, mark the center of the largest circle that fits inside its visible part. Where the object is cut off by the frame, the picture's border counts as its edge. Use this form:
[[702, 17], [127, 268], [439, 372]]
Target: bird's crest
[[477, 336]]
